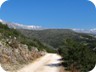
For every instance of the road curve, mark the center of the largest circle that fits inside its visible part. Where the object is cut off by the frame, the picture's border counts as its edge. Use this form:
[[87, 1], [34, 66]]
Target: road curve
[[48, 63]]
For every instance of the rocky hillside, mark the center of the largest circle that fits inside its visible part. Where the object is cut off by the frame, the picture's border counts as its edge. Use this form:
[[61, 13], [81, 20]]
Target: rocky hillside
[[17, 50], [13, 53]]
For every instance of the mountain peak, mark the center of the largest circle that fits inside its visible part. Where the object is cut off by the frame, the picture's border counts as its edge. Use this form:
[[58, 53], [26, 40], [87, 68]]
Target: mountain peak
[[21, 26], [92, 31]]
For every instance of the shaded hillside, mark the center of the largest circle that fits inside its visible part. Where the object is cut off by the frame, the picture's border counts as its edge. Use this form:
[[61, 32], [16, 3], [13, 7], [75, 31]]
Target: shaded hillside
[[56, 37], [52, 37]]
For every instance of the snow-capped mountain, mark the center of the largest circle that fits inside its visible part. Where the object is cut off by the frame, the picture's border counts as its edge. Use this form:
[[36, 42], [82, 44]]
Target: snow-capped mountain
[[92, 31], [21, 26], [33, 27]]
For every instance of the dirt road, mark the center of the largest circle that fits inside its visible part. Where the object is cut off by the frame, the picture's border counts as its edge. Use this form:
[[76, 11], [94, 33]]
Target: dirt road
[[47, 63]]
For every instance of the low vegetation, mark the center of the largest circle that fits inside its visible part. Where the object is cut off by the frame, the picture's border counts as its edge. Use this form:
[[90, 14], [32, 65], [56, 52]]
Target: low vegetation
[[78, 56]]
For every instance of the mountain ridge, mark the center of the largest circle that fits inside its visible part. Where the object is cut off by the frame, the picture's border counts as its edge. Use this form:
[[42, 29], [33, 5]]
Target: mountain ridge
[[20, 26], [92, 31], [33, 27]]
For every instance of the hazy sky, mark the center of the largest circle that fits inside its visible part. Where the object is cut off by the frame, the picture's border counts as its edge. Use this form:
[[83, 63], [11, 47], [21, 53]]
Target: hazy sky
[[50, 13]]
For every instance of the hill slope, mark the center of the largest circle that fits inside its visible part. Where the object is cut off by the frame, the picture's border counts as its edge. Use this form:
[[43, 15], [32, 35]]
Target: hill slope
[[56, 37], [16, 49]]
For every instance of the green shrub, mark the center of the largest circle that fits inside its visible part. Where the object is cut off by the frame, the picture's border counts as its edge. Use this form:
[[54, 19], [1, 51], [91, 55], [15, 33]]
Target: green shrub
[[77, 56]]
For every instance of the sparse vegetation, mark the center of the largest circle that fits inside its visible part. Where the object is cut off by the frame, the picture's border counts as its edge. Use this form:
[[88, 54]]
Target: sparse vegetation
[[7, 33], [17, 50]]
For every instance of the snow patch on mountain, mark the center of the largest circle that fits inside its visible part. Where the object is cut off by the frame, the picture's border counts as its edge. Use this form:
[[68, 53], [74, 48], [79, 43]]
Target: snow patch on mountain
[[21, 26], [92, 31]]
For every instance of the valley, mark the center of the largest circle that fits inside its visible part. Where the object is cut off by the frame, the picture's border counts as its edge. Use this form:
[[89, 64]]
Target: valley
[[25, 50]]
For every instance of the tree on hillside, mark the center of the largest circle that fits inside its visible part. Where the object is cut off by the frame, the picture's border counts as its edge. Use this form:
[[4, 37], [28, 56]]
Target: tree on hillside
[[77, 56]]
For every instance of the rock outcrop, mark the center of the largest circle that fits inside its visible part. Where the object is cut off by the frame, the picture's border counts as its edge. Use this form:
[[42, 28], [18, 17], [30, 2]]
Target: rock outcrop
[[14, 55]]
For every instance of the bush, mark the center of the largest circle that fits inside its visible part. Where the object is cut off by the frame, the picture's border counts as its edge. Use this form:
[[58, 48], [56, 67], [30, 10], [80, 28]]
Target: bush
[[77, 56]]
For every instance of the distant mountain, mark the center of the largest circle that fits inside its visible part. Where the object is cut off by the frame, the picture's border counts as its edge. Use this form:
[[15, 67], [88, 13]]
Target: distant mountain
[[33, 27], [92, 31], [21, 26]]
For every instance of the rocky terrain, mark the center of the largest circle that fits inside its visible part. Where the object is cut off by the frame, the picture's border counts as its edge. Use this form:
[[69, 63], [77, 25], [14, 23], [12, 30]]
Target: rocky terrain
[[13, 54], [17, 50]]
